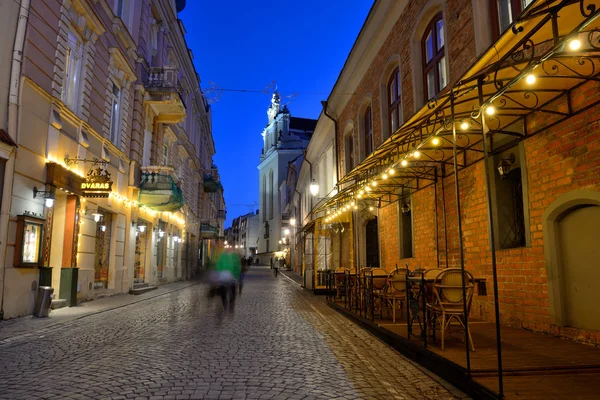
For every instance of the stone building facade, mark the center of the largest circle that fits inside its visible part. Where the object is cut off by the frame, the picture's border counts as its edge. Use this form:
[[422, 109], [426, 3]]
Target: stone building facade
[[114, 131]]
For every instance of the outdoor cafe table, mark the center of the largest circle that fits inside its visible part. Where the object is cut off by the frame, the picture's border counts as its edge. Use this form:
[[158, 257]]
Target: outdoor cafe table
[[417, 289]]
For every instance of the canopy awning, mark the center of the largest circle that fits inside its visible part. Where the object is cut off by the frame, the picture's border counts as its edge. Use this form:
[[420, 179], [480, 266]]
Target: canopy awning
[[520, 86], [159, 189]]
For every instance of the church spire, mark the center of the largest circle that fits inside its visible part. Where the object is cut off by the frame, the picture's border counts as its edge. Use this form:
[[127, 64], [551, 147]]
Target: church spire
[[273, 109]]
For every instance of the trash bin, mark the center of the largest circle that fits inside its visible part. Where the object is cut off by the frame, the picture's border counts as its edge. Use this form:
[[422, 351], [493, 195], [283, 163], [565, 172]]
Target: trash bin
[[43, 301]]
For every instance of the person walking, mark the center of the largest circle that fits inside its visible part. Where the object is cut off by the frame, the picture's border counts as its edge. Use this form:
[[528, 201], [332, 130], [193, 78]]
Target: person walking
[[228, 270]]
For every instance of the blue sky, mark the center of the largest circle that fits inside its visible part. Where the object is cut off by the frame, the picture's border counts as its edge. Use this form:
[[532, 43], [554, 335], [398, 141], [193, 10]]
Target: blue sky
[[247, 44]]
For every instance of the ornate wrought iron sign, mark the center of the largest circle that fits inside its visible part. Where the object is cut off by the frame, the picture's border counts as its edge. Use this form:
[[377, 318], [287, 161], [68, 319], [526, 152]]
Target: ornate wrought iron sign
[[97, 183]]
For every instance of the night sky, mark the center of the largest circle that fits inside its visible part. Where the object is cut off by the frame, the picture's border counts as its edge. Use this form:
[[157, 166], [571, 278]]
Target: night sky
[[246, 45]]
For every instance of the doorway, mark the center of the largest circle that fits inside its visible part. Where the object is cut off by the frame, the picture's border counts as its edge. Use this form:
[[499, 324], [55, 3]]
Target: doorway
[[102, 254], [141, 243], [579, 241], [372, 243]]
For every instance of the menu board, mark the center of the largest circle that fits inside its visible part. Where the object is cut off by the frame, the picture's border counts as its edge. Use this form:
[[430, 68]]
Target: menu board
[[32, 234]]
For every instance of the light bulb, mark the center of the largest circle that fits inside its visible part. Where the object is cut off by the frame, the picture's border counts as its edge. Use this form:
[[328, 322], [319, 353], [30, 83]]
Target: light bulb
[[97, 217], [417, 154], [490, 110], [392, 172], [49, 202], [374, 183], [361, 192], [404, 163], [464, 126], [353, 203], [161, 233], [530, 79], [371, 208], [359, 196], [384, 176], [368, 189], [574, 44], [435, 141], [356, 207], [142, 228], [103, 228]]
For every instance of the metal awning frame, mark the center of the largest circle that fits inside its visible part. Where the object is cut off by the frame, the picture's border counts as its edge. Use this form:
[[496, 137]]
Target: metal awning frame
[[537, 44]]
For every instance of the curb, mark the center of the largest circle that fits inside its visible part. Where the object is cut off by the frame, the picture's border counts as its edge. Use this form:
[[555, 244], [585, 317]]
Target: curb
[[56, 324], [293, 281]]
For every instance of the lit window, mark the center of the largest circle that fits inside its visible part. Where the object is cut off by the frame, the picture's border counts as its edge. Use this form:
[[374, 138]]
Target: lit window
[[435, 76], [115, 111], [71, 85]]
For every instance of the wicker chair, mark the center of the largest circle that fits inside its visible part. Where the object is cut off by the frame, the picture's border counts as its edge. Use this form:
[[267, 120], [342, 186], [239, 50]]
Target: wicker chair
[[396, 290], [448, 299], [378, 278]]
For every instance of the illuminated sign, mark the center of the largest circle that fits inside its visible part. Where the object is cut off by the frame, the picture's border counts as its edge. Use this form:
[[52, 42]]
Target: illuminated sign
[[97, 183]]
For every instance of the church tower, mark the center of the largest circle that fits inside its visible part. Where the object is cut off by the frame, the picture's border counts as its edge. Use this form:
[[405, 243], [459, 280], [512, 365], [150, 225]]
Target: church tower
[[284, 138]]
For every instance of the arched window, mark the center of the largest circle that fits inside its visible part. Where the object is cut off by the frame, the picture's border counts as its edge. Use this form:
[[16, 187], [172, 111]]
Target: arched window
[[264, 198], [394, 101], [435, 76], [368, 124], [271, 194]]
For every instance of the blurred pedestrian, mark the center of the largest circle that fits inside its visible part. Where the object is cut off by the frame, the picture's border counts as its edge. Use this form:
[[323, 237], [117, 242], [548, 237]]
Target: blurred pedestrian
[[245, 266], [228, 270]]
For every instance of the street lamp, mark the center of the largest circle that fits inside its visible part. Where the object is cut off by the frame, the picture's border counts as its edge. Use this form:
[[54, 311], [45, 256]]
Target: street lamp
[[314, 187], [293, 221], [286, 232]]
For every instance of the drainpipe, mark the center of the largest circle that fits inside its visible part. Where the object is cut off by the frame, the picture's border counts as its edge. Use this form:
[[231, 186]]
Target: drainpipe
[[335, 139], [13, 113]]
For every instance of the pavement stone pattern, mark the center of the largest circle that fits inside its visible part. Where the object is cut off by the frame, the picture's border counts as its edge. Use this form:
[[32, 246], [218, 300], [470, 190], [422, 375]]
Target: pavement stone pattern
[[280, 343]]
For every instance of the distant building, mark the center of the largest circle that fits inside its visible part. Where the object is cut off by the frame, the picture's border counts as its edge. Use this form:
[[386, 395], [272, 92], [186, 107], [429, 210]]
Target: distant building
[[243, 234], [285, 138]]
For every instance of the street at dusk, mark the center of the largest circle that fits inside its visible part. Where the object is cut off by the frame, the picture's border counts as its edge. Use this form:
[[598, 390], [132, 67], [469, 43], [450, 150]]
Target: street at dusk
[[280, 343], [302, 199]]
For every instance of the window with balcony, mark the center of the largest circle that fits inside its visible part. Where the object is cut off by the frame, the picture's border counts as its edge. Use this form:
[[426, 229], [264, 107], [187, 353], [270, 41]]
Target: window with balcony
[[71, 89], [394, 101], [435, 76], [503, 13], [115, 114]]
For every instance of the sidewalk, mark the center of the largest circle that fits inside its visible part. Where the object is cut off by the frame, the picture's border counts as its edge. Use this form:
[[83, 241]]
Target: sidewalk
[[293, 276], [17, 327]]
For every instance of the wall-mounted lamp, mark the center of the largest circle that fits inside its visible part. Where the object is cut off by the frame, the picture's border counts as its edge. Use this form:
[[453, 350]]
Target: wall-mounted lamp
[[97, 216], [505, 163], [103, 228], [314, 187], [293, 221], [142, 228], [405, 208], [161, 233], [47, 195]]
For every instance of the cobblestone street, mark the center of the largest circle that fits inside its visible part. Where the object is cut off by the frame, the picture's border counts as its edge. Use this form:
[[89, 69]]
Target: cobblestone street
[[281, 343]]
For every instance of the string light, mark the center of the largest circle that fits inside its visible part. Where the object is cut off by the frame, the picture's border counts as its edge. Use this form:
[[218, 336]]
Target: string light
[[464, 126], [385, 176], [490, 110], [574, 44], [417, 154], [435, 141], [530, 79], [391, 172], [404, 163]]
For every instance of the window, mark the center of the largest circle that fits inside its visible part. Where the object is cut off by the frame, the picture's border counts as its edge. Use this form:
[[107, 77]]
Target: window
[[349, 151], [509, 196], [71, 85], [405, 228], [368, 123], [271, 194], [503, 13], [115, 110], [119, 8], [394, 101], [435, 76], [166, 154]]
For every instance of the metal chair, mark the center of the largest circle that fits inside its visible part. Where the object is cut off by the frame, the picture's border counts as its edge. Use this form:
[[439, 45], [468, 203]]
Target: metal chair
[[396, 290]]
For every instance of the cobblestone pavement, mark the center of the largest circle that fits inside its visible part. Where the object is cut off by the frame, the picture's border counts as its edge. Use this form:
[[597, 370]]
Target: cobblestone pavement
[[281, 343]]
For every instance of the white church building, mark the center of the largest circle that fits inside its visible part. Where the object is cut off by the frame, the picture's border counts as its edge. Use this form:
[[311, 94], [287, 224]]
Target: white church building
[[285, 138]]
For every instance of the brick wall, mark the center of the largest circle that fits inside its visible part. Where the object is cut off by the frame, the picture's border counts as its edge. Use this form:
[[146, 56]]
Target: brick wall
[[560, 157]]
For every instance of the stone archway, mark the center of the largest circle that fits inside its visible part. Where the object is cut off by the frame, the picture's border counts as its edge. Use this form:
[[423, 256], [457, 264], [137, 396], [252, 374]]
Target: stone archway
[[571, 227]]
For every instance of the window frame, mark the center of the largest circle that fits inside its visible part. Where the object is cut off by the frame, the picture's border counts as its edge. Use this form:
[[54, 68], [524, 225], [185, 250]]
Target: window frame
[[71, 90], [115, 121], [368, 131], [394, 104], [516, 8], [437, 56]]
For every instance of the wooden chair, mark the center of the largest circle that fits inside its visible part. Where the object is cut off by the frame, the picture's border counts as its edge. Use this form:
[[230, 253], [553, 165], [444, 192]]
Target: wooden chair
[[448, 299], [396, 290]]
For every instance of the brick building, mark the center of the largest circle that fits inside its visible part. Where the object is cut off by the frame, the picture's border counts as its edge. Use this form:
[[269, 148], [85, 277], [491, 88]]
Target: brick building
[[429, 80], [106, 190]]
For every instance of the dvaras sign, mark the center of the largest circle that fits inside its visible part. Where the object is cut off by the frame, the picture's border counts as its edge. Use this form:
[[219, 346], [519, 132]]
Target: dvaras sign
[[97, 183]]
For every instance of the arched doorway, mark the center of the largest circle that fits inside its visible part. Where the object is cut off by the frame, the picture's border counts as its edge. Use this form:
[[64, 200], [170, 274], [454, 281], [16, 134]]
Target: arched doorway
[[372, 243], [572, 237]]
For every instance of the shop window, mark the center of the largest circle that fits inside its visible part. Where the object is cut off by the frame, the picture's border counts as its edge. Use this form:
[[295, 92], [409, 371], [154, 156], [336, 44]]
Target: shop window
[[71, 85], [435, 76], [349, 151], [160, 249], [368, 131], [405, 228], [102, 250], [503, 13], [115, 114], [394, 101], [509, 194]]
